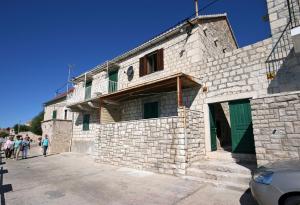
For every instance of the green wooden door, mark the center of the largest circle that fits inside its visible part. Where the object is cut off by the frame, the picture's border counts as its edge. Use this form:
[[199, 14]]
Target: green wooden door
[[213, 128], [151, 110], [241, 127], [113, 81]]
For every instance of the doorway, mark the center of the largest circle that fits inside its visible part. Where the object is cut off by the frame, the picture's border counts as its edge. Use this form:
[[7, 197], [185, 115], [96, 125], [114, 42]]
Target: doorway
[[113, 81], [231, 127]]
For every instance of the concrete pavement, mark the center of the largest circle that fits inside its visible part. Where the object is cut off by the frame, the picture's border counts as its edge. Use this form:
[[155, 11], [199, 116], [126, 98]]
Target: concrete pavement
[[71, 178]]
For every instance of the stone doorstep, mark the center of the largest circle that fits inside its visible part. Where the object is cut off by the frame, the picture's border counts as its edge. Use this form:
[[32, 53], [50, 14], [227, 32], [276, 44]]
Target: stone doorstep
[[220, 176], [230, 167], [231, 157], [225, 185]]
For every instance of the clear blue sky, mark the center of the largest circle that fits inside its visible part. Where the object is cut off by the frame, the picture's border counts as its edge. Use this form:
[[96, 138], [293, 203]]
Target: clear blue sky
[[39, 38]]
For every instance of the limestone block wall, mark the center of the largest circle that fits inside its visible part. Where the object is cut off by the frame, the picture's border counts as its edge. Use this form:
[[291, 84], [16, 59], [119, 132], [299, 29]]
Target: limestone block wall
[[59, 133], [276, 125], [84, 141], [155, 144], [194, 130], [240, 72]]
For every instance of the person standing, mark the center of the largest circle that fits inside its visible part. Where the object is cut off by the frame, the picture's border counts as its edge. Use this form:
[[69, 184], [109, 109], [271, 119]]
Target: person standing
[[45, 144], [9, 146], [17, 145], [2, 142], [25, 147]]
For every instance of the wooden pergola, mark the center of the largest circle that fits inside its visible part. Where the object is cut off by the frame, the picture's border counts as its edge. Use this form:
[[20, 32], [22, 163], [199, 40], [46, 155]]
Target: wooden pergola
[[175, 82]]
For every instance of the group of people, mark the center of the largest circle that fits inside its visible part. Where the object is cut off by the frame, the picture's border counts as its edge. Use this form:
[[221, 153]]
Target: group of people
[[12, 148]]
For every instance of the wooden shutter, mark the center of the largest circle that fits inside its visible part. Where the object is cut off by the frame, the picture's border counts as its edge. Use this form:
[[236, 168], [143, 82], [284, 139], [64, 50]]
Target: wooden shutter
[[54, 114], [160, 59], [143, 66], [86, 122]]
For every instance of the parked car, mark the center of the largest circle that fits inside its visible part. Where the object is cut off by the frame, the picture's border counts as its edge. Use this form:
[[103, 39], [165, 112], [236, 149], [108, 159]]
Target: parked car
[[277, 183]]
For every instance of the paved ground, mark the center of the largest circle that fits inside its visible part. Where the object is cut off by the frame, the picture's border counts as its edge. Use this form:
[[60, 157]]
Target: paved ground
[[75, 179]]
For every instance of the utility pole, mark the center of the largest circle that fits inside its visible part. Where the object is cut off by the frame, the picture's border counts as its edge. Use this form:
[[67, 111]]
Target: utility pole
[[196, 8]]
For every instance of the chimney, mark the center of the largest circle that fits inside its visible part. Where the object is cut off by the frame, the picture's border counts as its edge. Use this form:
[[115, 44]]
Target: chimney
[[197, 8]]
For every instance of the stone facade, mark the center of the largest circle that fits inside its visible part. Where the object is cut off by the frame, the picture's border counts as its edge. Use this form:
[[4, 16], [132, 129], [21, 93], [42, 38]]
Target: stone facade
[[169, 144], [59, 132], [276, 123], [157, 145], [59, 129], [84, 141]]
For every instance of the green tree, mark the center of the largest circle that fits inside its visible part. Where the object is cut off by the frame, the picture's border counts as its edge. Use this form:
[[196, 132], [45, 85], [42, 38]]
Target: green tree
[[21, 128], [3, 134], [36, 122]]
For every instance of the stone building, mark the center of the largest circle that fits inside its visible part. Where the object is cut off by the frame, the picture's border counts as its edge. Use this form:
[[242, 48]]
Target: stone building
[[190, 97], [57, 123]]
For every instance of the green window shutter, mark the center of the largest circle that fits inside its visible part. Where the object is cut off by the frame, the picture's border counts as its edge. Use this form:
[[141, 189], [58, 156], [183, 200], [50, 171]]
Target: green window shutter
[[88, 90], [151, 110], [86, 122], [54, 114]]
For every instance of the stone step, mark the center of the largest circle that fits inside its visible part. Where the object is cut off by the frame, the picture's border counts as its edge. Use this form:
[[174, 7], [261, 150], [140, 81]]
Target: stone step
[[231, 157], [225, 185], [220, 176], [231, 167]]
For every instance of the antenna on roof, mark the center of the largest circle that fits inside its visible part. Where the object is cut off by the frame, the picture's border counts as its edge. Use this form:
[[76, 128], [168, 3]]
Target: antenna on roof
[[196, 8], [69, 76]]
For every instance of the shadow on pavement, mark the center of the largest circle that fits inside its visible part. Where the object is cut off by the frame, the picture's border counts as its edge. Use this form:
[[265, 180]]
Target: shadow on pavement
[[4, 188], [247, 198]]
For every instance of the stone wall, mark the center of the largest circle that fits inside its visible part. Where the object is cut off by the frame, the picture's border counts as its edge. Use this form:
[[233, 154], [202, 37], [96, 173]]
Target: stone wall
[[194, 130], [155, 144], [60, 107], [276, 125], [84, 141], [59, 133]]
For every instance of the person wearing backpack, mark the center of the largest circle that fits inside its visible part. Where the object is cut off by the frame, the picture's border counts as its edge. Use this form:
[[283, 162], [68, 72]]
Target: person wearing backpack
[[45, 143], [25, 147]]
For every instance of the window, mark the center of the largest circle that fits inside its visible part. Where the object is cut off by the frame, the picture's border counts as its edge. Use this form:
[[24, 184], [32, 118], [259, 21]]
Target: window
[[88, 90], [86, 122], [152, 62], [66, 114], [54, 114], [151, 110]]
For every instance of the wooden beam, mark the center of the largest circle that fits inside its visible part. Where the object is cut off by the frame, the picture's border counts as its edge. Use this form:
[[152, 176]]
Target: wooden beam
[[179, 92]]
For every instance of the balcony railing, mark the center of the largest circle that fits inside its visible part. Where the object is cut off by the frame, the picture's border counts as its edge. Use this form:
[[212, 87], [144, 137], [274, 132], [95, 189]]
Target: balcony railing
[[112, 86], [96, 90], [284, 44], [294, 12]]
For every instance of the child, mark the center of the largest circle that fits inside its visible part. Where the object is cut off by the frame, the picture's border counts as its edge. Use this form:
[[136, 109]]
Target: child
[[18, 143], [9, 146], [25, 147]]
